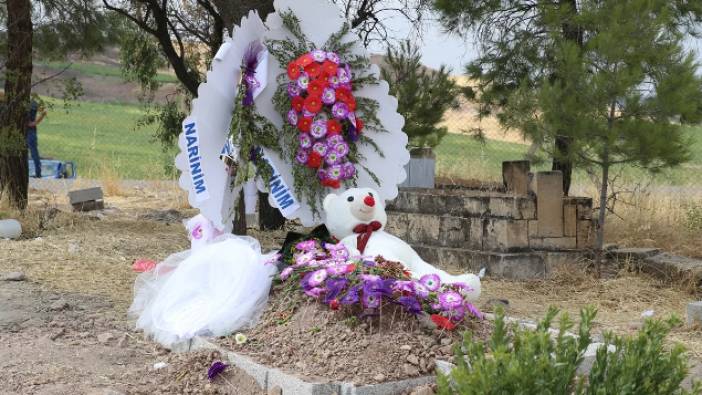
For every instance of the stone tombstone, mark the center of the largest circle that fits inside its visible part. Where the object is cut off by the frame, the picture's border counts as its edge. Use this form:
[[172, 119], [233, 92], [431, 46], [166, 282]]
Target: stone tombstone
[[515, 176], [549, 203], [420, 169], [694, 313]]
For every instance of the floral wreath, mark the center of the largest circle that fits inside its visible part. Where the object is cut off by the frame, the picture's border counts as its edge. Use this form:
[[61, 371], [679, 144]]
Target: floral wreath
[[325, 122]]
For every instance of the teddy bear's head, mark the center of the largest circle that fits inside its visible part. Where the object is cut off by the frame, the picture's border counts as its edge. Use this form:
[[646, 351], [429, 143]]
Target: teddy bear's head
[[353, 207]]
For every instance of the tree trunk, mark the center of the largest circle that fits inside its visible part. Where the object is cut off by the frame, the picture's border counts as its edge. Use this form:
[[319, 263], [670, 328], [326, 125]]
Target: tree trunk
[[239, 227], [562, 159], [599, 242], [14, 174], [269, 217]]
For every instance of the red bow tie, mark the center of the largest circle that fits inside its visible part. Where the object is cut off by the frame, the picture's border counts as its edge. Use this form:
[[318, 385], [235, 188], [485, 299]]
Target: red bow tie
[[365, 231]]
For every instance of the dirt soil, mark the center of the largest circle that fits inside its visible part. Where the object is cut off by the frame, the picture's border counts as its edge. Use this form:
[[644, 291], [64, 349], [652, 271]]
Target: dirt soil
[[305, 338]]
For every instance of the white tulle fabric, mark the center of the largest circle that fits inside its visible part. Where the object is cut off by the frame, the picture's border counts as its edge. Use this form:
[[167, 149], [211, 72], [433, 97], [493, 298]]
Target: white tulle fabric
[[212, 290]]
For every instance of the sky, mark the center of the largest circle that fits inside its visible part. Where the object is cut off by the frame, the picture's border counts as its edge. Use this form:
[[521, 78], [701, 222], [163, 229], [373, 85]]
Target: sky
[[439, 48]]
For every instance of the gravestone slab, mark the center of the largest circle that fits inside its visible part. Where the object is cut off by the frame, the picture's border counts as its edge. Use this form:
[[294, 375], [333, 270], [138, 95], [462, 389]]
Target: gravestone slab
[[694, 313], [549, 203]]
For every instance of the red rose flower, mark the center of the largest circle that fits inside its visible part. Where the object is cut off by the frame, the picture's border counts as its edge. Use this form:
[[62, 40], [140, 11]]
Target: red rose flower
[[351, 102], [350, 268], [333, 127], [316, 87], [294, 70], [343, 94], [335, 184], [359, 125], [304, 124], [313, 69], [314, 160], [334, 304], [305, 60], [297, 103], [443, 322], [313, 103], [329, 68]]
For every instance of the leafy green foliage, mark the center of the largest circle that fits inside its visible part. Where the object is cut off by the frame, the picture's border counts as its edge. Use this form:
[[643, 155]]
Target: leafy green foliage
[[522, 361], [423, 95], [140, 60]]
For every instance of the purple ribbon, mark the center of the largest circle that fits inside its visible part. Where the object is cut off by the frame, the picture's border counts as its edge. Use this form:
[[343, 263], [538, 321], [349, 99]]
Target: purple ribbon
[[251, 59]]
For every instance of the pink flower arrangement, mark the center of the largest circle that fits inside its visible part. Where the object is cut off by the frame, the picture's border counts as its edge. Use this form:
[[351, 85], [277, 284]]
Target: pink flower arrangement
[[326, 272], [322, 108]]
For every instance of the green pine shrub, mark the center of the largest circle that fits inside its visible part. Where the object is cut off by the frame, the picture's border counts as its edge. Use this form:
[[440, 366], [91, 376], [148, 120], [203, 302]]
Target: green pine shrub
[[522, 361]]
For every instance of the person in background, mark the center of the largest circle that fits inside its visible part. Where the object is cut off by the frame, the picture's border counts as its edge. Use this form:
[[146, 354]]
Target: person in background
[[34, 118]]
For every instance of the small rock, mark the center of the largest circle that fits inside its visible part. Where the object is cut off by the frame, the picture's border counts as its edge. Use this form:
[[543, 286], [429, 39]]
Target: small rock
[[406, 347], [14, 276], [105, 337], [446, 341], [410, 370], [59, 305], [73, 248], [413, 359], [423, 390], [160, 365], [275, 391], [122, 341], [379, 377], [58, 334]]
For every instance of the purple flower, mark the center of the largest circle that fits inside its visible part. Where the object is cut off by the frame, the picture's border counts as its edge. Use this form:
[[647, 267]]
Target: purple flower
[[314, 292], [463, 288], [403, 286], [292, 117], [342, 148], [334, 287], [332, 157], [352, 118], [474, 310], [344, 74], [317, 277], [340, 110], [351, 296], [335, 172], [336, 270], [369, 263], [457, 314], [216, 369], [349, 170], [302, 156], [307, 245], [371, 300], [286, 273], [307, 114], [294, 89], [333, 57], [431, 281], [319, 129], [411, 304], [305, 140], [337, 251], [334, 140], [420, 290], [450, 300], [303, 259], [320, 148], [372, 278], [319, 56], [329, 96], [322, 174], [334, 82], [304, 81]]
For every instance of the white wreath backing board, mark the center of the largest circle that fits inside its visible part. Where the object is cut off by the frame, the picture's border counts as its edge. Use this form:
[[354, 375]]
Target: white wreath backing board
[[210, 119], [212, 113]]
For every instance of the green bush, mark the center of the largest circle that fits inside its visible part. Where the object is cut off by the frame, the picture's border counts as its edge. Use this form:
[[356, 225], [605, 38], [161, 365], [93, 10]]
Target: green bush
[[522, 361]]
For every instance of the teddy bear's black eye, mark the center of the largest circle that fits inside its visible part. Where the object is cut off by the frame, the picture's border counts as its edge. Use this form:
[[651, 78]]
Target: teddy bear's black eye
[[370, 194], [350, 198]]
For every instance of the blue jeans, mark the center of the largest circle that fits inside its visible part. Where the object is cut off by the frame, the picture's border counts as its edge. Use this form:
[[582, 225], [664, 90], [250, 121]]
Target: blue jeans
[[34, 151]]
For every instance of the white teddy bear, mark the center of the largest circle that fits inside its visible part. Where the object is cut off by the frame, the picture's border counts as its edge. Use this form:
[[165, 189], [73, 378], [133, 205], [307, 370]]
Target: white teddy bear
[[358, 215]]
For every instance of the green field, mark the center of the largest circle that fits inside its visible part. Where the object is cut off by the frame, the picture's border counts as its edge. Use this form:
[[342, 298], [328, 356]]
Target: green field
[[102, 140], [98, 70]]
